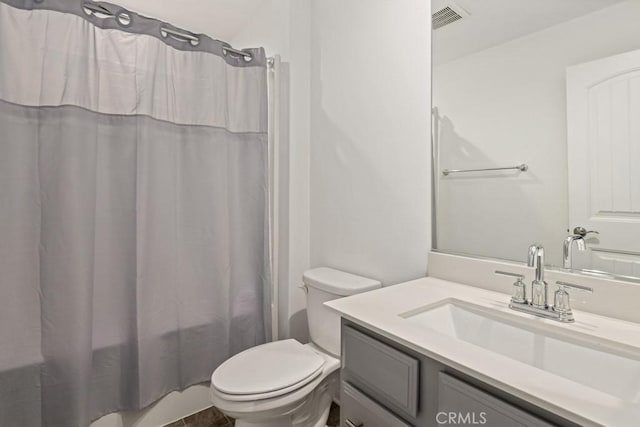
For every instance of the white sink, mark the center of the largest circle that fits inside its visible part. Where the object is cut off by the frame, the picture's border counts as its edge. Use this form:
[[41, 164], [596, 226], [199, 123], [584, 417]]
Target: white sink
[[560, 351]]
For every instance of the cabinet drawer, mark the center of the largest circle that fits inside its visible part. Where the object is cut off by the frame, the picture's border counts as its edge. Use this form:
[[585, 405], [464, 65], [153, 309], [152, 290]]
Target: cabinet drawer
[[388, 375], [358, 410], [469, 405]]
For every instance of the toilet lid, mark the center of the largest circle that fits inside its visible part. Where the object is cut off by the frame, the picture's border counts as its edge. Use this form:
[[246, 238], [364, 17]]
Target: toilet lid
[[267, 368]]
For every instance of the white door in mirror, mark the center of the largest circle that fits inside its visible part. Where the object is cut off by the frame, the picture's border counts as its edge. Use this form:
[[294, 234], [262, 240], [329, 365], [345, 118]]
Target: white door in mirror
[[603, 124]]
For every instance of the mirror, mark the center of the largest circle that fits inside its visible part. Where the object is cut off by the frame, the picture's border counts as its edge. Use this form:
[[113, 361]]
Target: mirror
[[545, 94]]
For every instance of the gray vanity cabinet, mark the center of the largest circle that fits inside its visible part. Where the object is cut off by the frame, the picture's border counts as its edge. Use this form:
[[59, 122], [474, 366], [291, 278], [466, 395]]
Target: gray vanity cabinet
[[457, 397], [396, 385], [384, 384], [363, 411]]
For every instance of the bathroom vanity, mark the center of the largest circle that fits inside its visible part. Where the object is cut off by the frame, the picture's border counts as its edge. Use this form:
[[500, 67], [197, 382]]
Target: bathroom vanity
[[387, 384], [434, 352]]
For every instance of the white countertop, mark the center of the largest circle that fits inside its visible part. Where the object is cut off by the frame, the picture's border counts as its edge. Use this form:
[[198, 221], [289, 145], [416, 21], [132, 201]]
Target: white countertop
[[380, 311]]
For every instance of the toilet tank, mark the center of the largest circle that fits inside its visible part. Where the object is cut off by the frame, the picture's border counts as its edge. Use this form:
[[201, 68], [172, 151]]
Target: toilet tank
[[325, 284]]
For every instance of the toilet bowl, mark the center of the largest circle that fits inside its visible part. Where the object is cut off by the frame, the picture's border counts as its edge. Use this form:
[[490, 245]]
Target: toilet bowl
[[286, 383], [303, 403]]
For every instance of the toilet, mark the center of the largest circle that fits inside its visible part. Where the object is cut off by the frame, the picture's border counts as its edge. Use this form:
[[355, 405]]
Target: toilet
[[286, 383]]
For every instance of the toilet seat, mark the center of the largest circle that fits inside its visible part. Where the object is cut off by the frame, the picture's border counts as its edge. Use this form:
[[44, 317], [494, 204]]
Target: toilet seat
[[268, 370]]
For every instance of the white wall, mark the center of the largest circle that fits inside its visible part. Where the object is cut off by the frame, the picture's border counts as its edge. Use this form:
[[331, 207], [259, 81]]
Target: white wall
[[506, 105], [299, 164], [367, 213], [370, 136], [267, 26]]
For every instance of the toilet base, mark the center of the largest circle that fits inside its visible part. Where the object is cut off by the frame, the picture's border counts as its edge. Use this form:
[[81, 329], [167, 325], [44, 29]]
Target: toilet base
[[286, 421], [313, 411]]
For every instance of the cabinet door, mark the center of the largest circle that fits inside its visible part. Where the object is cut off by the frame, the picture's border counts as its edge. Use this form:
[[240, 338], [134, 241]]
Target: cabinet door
[[386, 374], [357, 410], [462, 404]]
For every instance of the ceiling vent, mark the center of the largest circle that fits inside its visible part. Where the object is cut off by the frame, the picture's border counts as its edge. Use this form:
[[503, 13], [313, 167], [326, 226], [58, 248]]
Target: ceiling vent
[[448, 14]]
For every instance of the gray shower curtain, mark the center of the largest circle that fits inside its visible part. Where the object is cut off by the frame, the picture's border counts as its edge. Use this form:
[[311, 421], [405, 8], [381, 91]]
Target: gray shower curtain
[[133, 210]]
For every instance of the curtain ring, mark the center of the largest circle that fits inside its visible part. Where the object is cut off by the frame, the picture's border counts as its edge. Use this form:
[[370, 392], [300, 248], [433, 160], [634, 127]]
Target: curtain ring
[[124, 18], [95, 9], [181, 36]]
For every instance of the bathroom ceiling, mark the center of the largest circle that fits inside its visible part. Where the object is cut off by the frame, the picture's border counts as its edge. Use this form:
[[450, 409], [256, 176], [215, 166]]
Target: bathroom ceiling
[[493, 22], [220, 19]]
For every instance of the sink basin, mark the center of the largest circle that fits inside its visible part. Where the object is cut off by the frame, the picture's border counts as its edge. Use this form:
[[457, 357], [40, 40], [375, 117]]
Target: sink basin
[[559, 351]]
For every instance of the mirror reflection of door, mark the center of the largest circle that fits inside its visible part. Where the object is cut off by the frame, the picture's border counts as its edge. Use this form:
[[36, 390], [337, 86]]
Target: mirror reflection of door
[[603, 123]]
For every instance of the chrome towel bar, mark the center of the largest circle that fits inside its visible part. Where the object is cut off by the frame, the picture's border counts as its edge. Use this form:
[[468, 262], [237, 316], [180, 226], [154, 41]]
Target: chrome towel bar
[[522, 167]]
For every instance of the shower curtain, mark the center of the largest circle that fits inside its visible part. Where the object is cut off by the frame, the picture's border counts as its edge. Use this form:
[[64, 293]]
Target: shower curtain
[[133, 209]]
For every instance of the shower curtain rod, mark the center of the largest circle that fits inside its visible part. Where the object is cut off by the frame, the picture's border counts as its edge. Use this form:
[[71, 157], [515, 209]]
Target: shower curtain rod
[[97, 8]]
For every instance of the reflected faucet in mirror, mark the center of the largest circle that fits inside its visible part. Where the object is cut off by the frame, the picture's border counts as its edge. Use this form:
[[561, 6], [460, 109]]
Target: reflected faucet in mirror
[[567, 246]]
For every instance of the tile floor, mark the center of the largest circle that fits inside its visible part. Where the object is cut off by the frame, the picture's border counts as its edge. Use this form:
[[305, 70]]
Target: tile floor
[[208, 418], [334, 416], [213, 418]]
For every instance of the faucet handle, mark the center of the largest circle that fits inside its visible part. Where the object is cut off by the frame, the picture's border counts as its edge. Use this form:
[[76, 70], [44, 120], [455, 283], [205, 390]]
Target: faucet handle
[[519, 294], [506, 273], [561, 301], [581, 231], [565, 285]]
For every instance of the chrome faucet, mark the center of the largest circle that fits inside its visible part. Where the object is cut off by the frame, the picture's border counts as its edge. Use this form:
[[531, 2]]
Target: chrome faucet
[[578, 237], [539, 287], [567, 245], [561, 310]]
